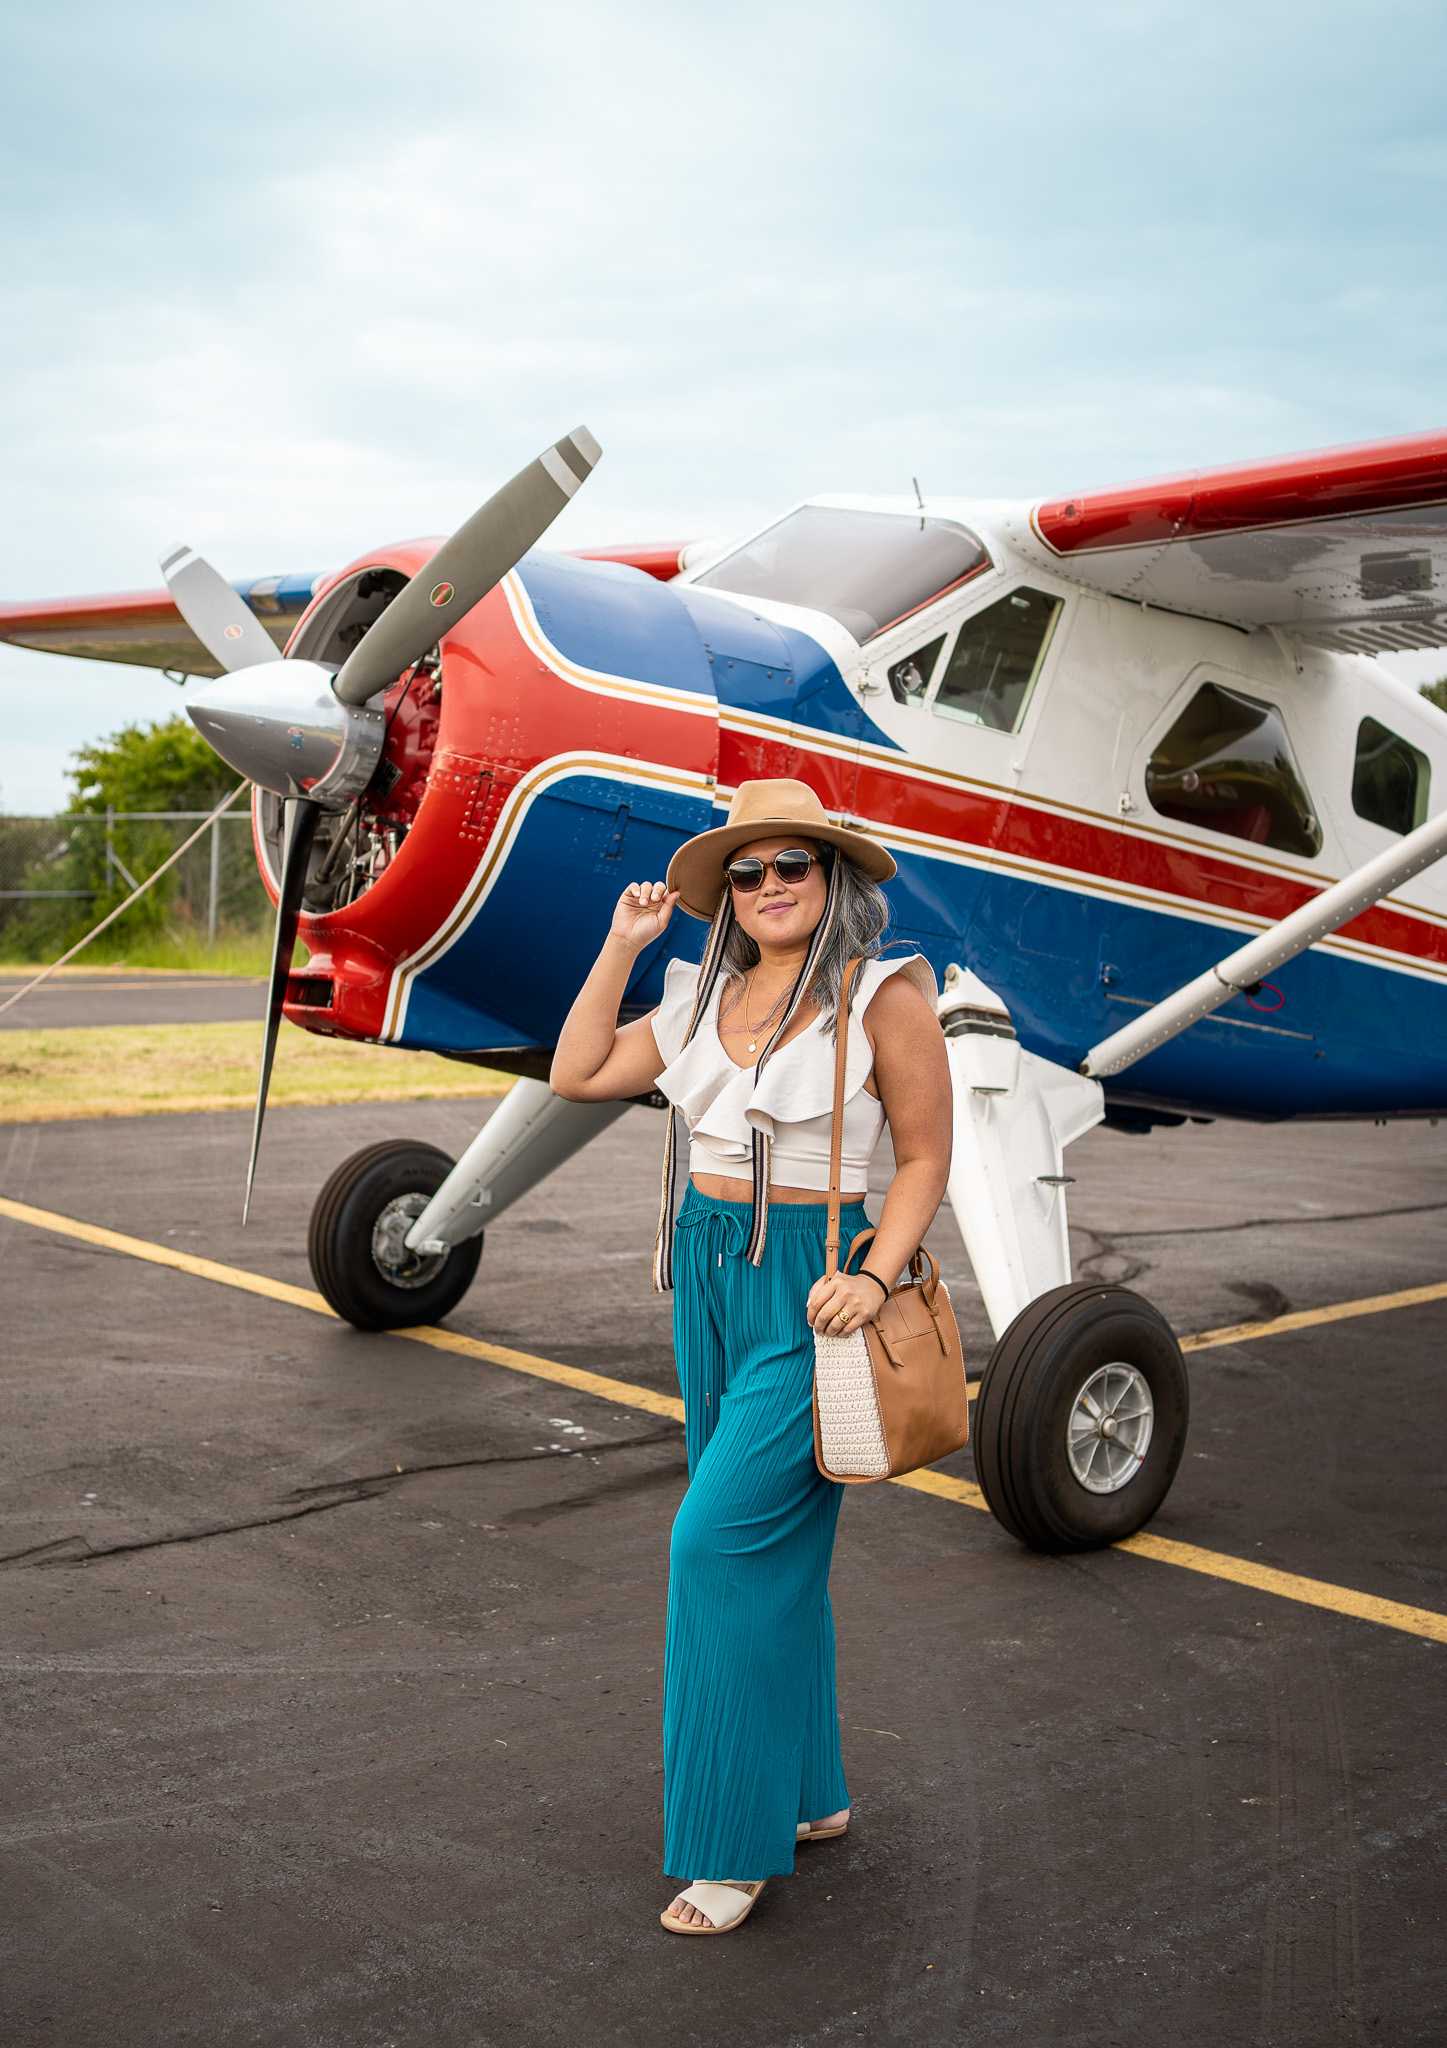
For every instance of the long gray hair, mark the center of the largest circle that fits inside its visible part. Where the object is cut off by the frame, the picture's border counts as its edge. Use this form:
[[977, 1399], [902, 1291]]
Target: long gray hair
[[859, 921]]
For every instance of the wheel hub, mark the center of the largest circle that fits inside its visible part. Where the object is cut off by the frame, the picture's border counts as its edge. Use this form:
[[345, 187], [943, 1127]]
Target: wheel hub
[[398, 1266], [1108, 1430]]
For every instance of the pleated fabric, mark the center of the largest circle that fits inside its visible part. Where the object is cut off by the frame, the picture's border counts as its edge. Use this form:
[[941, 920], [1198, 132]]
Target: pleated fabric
[[750, 1725]]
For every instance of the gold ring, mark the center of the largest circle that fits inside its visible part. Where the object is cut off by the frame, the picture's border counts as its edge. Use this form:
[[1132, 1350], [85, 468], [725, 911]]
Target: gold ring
[[845, 1314]]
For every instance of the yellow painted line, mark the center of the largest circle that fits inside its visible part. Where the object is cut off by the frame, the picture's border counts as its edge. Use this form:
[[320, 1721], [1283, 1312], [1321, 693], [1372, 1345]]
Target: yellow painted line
[[1309, 1318], [962, 1491], [621, 1391], [303, 1297], [162, 1255], [1417, 1621]]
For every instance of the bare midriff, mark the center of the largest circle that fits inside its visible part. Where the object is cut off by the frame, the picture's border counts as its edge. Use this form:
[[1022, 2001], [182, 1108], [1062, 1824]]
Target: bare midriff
[[722, 1189]]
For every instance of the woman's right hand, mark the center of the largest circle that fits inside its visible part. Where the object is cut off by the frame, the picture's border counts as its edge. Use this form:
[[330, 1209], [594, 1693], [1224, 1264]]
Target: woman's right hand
[[642, 913], [597, 1059]]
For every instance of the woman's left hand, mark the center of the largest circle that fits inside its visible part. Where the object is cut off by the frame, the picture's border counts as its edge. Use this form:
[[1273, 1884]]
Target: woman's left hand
[[837, 1306]]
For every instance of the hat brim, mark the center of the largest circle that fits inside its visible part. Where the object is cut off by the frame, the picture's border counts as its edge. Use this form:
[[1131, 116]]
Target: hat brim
[[697, 869]]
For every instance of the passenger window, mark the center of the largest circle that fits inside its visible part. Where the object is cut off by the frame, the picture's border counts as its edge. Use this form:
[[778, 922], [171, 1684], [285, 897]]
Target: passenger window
[[1227, 764], [997, 657], [1390, 780], [910, 678]]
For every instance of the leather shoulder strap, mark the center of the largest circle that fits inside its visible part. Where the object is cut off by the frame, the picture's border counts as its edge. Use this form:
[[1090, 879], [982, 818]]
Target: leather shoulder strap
[[836, 1134]]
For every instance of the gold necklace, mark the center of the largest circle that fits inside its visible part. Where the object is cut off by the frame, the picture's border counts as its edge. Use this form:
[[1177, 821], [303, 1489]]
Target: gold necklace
[[749, 1028]]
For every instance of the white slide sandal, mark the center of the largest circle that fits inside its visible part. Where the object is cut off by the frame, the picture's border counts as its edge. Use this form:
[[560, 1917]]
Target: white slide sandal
[[726, 1904]]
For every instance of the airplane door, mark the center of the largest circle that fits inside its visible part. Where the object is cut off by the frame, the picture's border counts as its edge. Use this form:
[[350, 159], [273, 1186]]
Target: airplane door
[[989, 716]]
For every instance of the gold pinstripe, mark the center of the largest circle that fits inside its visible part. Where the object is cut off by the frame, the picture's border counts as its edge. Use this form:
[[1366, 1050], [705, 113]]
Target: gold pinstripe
[[930, 845], [556, 768]]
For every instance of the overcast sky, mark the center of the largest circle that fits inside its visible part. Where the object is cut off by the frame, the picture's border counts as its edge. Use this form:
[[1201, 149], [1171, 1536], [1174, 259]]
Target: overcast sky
[[290, 280]]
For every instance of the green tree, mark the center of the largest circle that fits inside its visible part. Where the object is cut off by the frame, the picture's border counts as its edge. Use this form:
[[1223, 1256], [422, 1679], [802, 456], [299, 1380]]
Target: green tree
[[1436, 693], [162, 767]]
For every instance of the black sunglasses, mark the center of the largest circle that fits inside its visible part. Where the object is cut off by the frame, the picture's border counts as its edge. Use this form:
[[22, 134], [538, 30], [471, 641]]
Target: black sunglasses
[[793, 865]]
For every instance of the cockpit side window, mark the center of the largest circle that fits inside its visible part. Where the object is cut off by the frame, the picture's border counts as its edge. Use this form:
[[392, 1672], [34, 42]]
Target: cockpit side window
[[1390, 779], [910, 678], [868, 570], [1227, 764], [996, 660]]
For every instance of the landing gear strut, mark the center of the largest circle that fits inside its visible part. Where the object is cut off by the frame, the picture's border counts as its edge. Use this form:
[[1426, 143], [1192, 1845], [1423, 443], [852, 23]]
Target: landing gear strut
[[396, 1233], [1083, 1409]]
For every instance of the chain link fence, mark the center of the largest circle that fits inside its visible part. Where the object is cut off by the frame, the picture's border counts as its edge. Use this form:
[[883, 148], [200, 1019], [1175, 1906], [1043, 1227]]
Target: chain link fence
[[59, 876]]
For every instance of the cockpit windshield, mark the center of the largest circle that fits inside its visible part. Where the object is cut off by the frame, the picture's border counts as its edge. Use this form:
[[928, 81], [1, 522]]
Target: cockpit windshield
[[865, 569]]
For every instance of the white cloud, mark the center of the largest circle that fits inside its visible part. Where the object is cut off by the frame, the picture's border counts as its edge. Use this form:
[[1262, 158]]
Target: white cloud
[[288, 282]]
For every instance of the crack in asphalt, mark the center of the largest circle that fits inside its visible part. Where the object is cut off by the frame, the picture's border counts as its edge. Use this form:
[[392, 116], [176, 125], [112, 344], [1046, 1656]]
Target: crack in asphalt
[[625, 1443], [616, 1489], [340, 1493], [1267, 1299], [1274, 1222]]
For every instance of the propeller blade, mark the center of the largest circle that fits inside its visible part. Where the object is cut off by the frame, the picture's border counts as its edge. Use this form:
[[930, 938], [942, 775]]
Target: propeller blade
[[466, 567], [226, 626], [301, 826]]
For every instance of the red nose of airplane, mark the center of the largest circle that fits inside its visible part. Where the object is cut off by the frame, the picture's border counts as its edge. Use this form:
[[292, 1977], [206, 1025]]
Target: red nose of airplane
[[311, 726]]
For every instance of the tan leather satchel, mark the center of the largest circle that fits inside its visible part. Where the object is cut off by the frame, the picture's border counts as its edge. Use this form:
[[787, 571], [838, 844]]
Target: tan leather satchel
[[891, 1396]]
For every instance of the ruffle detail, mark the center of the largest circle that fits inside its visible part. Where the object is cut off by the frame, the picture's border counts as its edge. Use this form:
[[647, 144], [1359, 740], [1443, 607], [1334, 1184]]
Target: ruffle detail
[[670, 1019], [724, 1104]]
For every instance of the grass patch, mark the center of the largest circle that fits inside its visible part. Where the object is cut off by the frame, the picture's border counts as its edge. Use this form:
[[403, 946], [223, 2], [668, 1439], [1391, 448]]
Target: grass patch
[[182, 952], [144, 1069]]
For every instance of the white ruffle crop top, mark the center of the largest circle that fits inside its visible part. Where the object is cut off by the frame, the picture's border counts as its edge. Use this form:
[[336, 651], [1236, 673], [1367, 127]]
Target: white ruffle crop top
[[791, 1102]]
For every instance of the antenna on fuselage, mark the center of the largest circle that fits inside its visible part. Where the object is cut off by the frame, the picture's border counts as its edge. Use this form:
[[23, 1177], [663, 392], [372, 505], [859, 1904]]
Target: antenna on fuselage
[[919, 501]]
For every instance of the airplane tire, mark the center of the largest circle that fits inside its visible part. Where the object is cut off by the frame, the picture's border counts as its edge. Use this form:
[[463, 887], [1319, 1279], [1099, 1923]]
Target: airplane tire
[[354, 1239], [1076, 1359]]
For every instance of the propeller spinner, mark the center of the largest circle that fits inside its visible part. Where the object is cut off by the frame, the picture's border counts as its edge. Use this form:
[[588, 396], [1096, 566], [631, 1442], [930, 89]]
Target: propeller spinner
[[313, 736]]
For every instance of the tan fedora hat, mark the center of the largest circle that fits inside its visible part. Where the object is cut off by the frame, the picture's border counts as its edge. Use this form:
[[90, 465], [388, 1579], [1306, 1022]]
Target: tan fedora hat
[[763, 810]]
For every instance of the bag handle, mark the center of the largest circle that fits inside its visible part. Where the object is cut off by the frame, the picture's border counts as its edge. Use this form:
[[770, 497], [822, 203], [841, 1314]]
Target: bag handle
[[929, 1282], [836, 1136]]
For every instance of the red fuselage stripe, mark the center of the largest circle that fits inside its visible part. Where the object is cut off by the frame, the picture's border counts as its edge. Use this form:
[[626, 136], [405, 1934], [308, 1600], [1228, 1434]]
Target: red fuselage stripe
[[1077, 848]]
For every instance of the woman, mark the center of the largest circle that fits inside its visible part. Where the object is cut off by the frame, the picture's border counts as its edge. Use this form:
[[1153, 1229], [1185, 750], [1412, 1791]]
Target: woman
[[744, 1047]]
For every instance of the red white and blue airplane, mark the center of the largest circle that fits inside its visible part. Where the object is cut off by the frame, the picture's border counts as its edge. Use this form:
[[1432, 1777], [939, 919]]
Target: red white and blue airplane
[[1164, 830]]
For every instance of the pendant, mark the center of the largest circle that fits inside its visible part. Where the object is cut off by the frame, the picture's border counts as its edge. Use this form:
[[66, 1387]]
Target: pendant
[[753, 1048]]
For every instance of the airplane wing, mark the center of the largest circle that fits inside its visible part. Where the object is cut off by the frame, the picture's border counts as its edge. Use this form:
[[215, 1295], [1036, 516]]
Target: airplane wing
[[145, 628], [1345, 547]]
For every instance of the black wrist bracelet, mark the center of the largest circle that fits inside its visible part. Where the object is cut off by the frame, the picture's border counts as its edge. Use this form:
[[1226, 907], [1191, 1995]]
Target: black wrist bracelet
[[865, 1274]]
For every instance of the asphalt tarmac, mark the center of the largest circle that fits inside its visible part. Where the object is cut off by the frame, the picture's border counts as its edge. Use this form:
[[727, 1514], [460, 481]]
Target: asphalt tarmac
[[308, 1749], [81, 997]]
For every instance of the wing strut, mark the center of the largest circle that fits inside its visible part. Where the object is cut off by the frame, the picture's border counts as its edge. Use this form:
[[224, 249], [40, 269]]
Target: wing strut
[[1271, 949]]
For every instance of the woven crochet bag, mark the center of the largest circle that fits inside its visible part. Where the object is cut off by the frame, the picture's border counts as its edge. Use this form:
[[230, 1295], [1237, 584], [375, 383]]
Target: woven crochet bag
[[890, 1397]]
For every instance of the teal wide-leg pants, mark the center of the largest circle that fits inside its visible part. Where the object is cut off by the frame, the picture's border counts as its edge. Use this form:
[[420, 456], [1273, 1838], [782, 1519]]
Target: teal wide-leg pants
[[750, 1726]]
